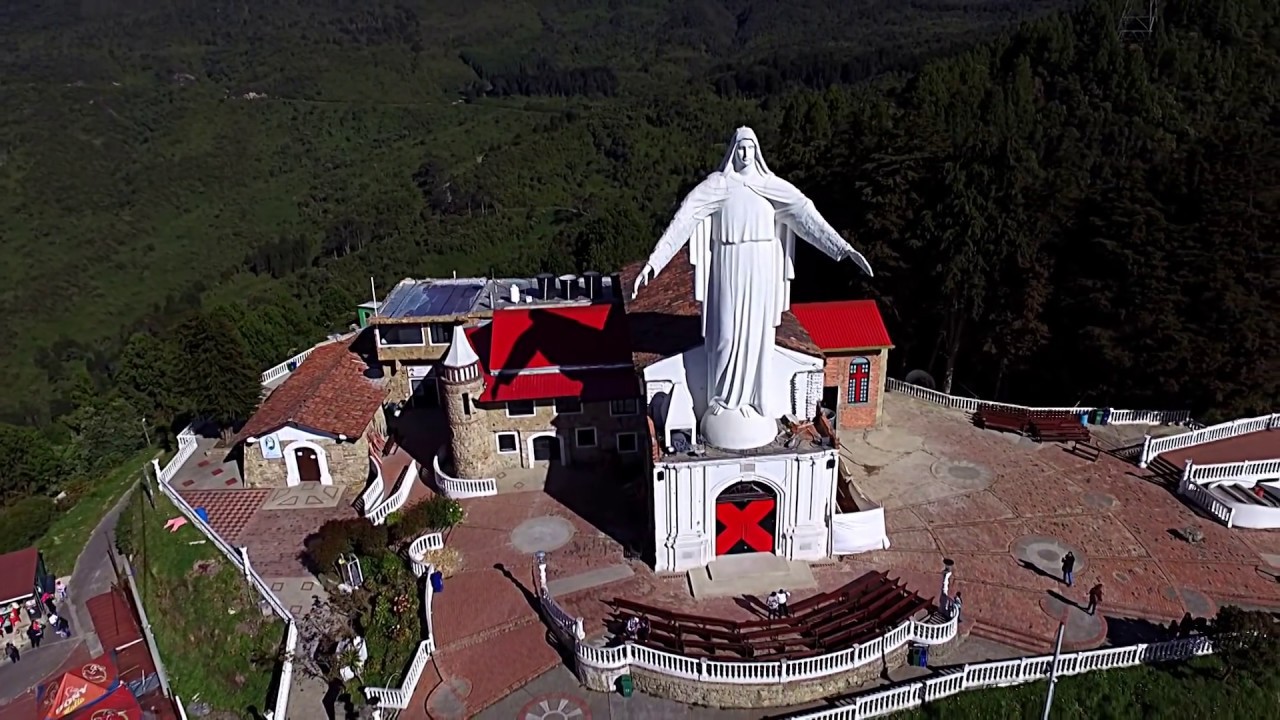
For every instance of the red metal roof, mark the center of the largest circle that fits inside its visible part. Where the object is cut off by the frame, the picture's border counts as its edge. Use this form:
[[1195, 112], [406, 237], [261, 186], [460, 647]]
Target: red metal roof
[[843, 324], [580, 351], [113, 619], [331, 391], [18, 574]]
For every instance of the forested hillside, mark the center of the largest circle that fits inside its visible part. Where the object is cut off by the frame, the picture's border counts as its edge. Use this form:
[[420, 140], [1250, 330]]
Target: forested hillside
[[1055, 214]]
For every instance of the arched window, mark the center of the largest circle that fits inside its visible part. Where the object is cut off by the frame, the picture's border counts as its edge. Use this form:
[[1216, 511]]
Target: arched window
[[859, 381]]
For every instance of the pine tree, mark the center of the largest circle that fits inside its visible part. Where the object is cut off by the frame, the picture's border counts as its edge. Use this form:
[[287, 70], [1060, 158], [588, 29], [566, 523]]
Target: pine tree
[[220, 383]]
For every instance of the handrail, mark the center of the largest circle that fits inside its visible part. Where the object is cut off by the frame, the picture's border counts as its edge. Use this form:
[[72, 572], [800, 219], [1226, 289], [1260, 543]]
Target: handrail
[[372, 495], [398, 698], [1212, 505], [1117, 417], [1004, 673], [1251, 470], [418, 550], [397, 499], [1152, 447], [283, 368], [458, 488]]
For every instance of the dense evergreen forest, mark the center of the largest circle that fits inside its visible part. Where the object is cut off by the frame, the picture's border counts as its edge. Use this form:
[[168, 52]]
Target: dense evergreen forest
[[1056, 214]]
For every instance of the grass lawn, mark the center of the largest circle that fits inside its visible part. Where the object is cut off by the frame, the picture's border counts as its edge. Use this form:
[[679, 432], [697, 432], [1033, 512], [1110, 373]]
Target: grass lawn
[[69, 533], [1178, 690], [217, 645]]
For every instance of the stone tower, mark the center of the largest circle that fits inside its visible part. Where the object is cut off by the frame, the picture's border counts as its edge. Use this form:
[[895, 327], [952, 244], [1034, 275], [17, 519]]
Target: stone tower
[[461, 382]]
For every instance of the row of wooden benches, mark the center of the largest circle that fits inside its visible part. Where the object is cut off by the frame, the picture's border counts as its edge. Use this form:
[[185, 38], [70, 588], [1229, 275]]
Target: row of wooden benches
[[821, 623], [1043, 425]]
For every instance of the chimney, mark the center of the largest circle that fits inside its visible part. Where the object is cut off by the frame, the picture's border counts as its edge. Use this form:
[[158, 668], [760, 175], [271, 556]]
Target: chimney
[[568, 287], [515, 294], [615, 288], [593, 285], [546, 286]]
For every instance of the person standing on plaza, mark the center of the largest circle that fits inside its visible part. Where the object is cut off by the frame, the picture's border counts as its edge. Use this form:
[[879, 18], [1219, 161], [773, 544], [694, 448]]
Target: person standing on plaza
[[61, 589], [1095, 597], [35, 634], [783, 610], [11, 650], [956, 605], [771, 605], [1068, 568]]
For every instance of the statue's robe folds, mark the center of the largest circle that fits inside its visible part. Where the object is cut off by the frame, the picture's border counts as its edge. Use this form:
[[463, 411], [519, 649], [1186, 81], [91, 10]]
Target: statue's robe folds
[[741, 229]]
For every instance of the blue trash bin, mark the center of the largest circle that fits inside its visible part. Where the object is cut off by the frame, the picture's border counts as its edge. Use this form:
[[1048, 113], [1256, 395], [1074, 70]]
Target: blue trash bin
[[437, 582], [202, 514]]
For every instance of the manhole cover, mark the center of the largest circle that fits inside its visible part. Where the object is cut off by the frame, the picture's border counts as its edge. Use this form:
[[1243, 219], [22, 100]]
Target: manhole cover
[[1196, 602], [1100, 501], [1120, 576], [1082, 629], [961, 475], [964, 472], [542, 533], [1045, 553], [1049, 555]]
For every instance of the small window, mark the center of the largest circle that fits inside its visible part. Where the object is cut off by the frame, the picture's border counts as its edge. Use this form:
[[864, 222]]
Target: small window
[[466, 403], [627, 443], [400, 334], [585, 437], [508, 442], [568, 406], [520, 408], [630, 406], [440, 333]]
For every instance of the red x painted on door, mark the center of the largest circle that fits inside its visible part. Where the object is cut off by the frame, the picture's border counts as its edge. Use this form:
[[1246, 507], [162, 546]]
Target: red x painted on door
[[744, 526]]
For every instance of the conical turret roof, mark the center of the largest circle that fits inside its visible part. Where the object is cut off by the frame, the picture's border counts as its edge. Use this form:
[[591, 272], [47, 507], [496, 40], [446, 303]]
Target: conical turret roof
[[460, 354]]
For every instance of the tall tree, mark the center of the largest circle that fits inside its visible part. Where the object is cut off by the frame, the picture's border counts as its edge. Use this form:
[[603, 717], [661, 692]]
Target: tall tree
[[220, 384]]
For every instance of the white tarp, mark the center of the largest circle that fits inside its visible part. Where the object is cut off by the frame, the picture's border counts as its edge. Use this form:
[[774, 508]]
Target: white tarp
[[858, 532]]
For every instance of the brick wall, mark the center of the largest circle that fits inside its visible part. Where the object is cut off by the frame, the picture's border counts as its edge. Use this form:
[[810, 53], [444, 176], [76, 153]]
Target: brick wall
[[836, 373]]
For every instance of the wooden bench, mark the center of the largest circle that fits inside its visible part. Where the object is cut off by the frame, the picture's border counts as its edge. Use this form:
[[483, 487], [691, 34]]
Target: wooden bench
[[1060, 431], [1004, 420]]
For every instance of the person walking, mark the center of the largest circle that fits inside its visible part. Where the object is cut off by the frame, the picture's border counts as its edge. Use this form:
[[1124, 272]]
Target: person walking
[[11, 650], [771, 605], [61, 590], [35, 634], [1095, 597], [1068, 568], [956, 605], [783, 610]]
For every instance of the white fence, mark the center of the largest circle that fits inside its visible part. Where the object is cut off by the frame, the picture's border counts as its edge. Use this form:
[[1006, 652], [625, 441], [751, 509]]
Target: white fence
[[284, 368], [186, 448], [240, 558], [1005, 673], [619, 659], [1152, 447], [418, 550], [372, 495], [459, 489], [1205, 500], [398, 698], [1117, 417], [397, 499], [1254, 470]]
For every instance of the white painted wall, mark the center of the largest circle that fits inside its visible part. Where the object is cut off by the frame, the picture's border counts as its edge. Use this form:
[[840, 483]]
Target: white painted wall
[[684, 505], [292, 439]]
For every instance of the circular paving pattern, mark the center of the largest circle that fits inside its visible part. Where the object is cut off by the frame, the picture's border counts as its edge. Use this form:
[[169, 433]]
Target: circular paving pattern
[[1083, 630], [1196, 602], [961, 474], [557, 706], [448, 700], [1046, 553], [542, 533], [1100, 501]]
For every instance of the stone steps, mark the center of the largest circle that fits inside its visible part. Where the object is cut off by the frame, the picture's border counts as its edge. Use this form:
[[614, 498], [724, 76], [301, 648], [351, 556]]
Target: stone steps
[[1011, 638]]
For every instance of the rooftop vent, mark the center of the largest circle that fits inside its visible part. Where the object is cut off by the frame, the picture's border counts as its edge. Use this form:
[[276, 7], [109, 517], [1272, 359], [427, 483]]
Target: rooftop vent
[[593, 285], [568, 287], [615, 287], [546, 286], [515, 293]]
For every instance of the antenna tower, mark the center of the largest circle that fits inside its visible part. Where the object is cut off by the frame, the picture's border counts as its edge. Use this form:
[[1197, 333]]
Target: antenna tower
[[1138, 18]]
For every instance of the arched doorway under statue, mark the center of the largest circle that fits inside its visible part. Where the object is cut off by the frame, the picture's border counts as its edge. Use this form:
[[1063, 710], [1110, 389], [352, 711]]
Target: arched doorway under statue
[[746, 519]]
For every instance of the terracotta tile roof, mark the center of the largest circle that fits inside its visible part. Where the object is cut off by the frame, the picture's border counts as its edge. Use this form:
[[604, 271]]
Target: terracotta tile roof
[[18, 574], [665, 320], [843, 324], [333, 391]]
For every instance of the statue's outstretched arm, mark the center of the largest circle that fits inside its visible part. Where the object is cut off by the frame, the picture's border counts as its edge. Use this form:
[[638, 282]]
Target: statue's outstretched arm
[[699, 204], [799, 213]]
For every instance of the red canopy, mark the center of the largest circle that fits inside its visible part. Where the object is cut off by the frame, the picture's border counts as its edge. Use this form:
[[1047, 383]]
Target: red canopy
[[78, 688], [119, 705]]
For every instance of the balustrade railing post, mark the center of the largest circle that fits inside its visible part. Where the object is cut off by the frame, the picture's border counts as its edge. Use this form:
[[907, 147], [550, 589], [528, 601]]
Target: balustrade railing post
[[1146, 446], [244, 558]]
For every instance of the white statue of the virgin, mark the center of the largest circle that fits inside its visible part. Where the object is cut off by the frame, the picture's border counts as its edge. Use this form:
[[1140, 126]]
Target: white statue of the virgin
[[741, 224]]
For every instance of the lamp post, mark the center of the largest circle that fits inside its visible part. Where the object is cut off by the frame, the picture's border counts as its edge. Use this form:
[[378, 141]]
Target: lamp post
[[1053, 671], [540, 559], [944, 599]]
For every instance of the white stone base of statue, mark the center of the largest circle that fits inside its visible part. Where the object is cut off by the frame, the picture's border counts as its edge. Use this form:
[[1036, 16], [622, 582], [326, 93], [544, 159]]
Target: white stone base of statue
[[742, 429]]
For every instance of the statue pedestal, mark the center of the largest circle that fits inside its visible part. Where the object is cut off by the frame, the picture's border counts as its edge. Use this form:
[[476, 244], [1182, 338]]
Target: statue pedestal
[[742, 429]]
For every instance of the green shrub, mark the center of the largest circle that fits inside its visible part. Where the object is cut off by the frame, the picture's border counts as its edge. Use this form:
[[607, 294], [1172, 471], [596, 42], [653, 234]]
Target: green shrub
[[26, 521], [438, 513], [338, 537]]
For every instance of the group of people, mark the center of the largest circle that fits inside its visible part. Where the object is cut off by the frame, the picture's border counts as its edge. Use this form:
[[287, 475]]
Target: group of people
[[45, 608], [776, 604], [1069, 577]]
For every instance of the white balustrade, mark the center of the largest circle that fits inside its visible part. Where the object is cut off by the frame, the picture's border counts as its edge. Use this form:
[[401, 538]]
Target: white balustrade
[[1117, 417], [1252, 470], [397, 499], [1004, 673], [1212, 505], [283, 368], [372, 495], [399, 698], [418, 550], [458, 488], [1221, 431]]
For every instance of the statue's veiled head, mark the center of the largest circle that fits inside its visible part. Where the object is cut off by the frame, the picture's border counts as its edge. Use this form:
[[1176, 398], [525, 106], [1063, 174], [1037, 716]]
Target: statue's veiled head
[[744, 156]]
